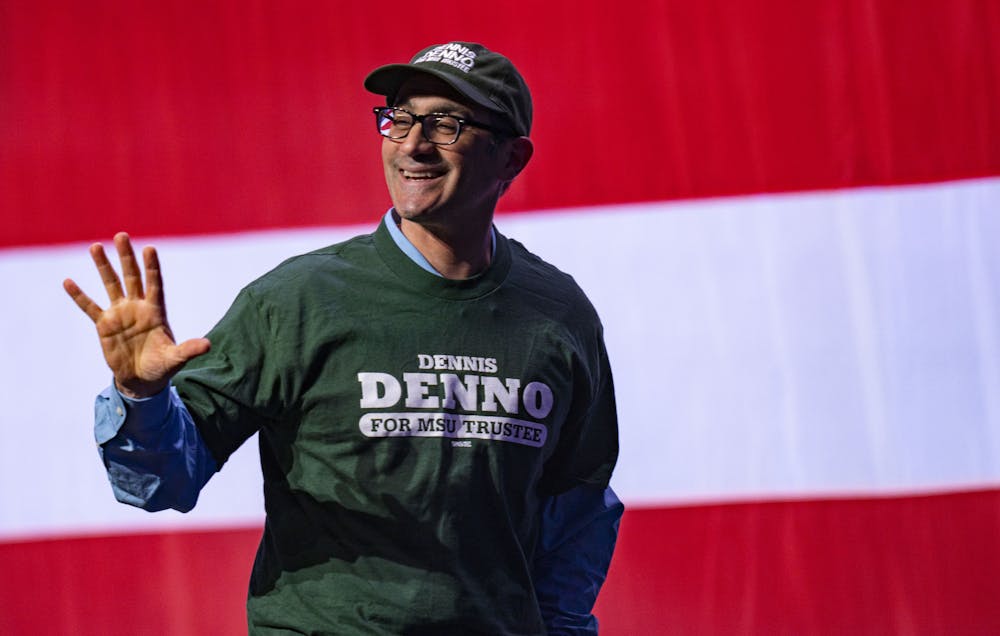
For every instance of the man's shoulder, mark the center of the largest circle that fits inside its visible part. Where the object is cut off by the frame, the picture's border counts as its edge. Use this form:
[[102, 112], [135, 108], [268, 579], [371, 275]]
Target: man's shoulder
[[538, 268], [543, 280], [325, 262]]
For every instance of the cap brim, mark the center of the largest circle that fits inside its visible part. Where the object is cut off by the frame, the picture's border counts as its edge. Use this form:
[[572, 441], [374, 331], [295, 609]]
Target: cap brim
[[387, 80]]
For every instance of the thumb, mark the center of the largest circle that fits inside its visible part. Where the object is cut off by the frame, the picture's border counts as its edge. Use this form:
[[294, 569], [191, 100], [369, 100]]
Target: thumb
[[193, 348]]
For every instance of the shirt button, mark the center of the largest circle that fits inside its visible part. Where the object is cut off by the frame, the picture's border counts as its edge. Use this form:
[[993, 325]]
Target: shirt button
[[118, 410]]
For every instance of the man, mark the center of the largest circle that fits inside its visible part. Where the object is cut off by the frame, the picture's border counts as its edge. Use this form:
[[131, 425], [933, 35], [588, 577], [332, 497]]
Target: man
[[434, 403]]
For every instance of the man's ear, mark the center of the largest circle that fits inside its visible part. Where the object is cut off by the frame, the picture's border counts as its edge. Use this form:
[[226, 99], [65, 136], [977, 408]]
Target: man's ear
[[518, 156]]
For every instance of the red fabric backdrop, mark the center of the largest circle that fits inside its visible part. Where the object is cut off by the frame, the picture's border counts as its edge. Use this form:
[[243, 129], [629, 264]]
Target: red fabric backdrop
[[185, 117]]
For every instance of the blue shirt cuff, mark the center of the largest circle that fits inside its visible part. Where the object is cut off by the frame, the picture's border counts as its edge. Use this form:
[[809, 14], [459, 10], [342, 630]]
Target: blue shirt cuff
[[111, 408]]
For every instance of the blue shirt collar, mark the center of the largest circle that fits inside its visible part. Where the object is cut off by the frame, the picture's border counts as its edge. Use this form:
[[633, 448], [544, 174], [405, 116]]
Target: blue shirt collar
[[407, 247]]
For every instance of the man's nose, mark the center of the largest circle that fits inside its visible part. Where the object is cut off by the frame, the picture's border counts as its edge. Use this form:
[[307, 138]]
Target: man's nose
[[415, 143]]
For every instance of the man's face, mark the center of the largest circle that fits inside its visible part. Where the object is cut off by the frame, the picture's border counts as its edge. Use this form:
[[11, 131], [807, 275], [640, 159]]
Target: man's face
[[443, 185]]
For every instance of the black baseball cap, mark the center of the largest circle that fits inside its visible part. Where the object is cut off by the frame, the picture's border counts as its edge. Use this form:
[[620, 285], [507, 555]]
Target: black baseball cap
[[486, 78]]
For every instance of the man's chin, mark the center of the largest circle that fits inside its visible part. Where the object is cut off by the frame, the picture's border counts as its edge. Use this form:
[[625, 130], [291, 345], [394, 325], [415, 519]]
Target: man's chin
[[414, 212]]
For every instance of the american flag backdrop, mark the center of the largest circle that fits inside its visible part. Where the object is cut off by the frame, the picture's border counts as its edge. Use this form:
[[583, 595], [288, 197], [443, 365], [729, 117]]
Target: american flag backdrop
[[787, 214]]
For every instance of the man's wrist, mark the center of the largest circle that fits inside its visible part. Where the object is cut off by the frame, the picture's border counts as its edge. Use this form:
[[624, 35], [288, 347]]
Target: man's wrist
[[141, 393]]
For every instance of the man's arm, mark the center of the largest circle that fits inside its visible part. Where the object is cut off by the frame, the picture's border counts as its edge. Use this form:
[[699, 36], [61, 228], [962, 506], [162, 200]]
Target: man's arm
[[151, 448], [579, 530]]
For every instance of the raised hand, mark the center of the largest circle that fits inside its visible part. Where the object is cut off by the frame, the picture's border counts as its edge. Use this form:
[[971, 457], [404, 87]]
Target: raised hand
[[135, 337]]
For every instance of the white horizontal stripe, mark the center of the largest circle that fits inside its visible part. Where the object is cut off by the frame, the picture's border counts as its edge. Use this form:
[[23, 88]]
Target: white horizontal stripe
[[795, 345], [820, 344]]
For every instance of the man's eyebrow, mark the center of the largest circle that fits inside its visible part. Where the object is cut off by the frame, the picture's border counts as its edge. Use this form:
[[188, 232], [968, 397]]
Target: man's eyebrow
[[446, 109]]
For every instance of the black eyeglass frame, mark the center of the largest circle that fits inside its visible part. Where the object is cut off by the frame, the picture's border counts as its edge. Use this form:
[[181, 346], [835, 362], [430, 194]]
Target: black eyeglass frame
[[419, 119]]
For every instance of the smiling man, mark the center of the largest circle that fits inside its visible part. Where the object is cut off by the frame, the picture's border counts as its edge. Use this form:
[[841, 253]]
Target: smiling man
[[434, 403]]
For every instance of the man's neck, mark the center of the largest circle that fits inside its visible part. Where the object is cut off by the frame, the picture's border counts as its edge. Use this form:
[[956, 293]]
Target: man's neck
[[454, 255]]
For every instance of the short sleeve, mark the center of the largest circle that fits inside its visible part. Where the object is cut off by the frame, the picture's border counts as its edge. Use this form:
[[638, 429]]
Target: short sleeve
[[227, 389]]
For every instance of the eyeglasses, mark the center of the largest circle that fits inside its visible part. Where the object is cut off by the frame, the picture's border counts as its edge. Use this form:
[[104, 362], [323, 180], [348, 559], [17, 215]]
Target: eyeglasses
[[437, 128]]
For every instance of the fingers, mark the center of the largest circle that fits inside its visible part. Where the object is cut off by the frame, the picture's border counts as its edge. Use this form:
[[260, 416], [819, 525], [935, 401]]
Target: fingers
[[130, 268], [82, 300], [133, 287], [154, 279], [108, 275]]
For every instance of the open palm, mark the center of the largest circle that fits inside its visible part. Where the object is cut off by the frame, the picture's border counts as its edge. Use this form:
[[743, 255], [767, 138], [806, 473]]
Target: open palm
[[135, 336]]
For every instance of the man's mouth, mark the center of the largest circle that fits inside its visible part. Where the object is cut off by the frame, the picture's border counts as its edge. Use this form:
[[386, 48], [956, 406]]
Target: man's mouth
[[420, 175]]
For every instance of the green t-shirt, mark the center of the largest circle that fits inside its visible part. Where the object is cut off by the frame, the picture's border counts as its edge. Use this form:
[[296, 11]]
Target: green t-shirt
[[409, 428]]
